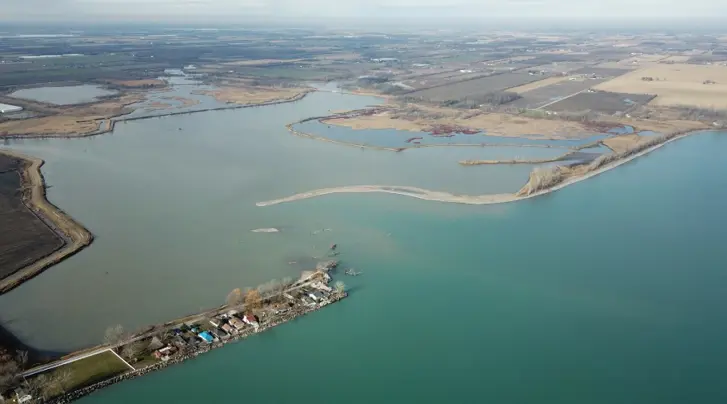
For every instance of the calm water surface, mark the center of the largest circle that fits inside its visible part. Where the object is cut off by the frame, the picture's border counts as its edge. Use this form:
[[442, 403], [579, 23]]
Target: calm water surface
[[64, 95], [398, 138], [609, 291], [172, 212]]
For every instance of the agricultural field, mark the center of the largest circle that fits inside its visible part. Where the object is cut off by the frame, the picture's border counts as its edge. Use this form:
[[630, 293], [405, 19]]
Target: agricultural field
[[544, 95], [703, 86], [476, 87], [600, 101], [443, 78], [24, 238], [602, 71]]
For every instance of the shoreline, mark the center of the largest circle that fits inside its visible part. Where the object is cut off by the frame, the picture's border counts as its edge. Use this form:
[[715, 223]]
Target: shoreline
[[315, 281], [75, 236], [111, 121], [412, 146], [487, 199]]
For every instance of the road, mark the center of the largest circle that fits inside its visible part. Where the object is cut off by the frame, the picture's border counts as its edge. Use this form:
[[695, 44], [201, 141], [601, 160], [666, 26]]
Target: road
[[49, 366], [53, 365], [560, 99]]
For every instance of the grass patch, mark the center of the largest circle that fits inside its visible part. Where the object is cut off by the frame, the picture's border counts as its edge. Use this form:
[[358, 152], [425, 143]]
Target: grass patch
[[79, 374]]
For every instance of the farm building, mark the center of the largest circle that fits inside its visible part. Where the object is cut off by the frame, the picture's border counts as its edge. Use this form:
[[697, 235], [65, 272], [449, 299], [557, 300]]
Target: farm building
[[5, 108]]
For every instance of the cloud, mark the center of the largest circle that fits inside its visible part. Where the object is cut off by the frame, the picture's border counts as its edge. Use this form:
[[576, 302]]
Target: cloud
[[406, 10]]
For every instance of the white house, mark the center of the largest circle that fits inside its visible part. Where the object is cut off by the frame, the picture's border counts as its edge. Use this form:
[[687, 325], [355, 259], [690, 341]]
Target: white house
[[22, 397], [5, 108]]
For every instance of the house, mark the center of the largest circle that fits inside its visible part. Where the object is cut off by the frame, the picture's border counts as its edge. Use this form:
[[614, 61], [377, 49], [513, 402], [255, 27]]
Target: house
[[316, 296], [22, 397], [251, 319], [320, 286], [7, 108], [155, 344], [165, 353], [237, 323], [227, 328], [206, 337], [216, 322]]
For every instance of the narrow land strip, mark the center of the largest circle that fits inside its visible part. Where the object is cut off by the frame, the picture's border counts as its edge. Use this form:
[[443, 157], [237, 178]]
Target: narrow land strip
[[488, 199], [75, 235]]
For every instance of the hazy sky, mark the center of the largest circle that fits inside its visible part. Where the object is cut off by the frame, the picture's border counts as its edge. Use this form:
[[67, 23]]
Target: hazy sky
[[406, 10]]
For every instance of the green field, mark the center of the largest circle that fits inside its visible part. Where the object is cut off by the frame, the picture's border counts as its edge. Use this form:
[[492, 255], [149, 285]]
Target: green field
[[81, 373]]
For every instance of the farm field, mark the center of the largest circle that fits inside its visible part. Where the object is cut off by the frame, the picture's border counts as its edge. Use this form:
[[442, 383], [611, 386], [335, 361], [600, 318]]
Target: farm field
[[544, 95], [676, 84], [476, 87], [602, 71], [443, 78], [600, 101], [24, 238]]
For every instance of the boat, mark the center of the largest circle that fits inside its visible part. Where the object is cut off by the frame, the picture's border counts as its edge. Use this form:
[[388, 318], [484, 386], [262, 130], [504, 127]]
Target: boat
[[334, 246]]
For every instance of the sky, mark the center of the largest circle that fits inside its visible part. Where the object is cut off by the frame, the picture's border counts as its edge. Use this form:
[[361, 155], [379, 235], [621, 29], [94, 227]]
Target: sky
[[402, 10]]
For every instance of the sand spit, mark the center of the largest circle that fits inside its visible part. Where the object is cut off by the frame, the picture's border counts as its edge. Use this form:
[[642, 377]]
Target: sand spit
[[518, 161], [75, 235], [439, 196]]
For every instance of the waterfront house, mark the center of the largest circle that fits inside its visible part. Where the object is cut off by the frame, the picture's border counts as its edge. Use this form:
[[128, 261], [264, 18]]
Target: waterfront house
[[155, 344], [237, 323], [321, 286], [228, 329], [251, 319], [206, 337], [165, 353], [22, 397], [216, 322], [316, 296]]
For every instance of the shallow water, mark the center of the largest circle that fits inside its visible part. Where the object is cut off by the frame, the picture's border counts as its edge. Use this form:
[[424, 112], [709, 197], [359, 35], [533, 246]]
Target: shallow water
[[398, 138], [172, 212], [65, 95], [608, 291]]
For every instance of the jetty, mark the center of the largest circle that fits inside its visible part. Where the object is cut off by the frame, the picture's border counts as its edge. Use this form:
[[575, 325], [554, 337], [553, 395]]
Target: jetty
[[176, 341]]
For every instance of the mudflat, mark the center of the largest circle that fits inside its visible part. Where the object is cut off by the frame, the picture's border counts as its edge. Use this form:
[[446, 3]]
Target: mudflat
[[25, 238]]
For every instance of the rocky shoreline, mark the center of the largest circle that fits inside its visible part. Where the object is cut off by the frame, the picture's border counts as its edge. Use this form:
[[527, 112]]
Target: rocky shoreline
[[75, 395]]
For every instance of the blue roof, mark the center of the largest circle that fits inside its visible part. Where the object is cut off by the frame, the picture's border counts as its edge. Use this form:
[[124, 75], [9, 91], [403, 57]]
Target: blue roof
[[206, 336]]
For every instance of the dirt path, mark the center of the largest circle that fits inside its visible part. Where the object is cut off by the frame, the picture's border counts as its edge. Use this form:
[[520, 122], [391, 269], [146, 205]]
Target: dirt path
[[75, 235]]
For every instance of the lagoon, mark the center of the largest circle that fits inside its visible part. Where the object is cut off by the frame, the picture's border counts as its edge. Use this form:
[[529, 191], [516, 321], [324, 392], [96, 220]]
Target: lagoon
[[609, 291], [172, 212], [64, 95]]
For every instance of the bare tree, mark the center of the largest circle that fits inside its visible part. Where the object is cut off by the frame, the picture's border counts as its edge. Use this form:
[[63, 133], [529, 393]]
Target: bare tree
[[9, 374], [62, 378], [39, 386], [22, 358], [234, 298], [253, 299], [114, 334], [133, 350], [340, 287]]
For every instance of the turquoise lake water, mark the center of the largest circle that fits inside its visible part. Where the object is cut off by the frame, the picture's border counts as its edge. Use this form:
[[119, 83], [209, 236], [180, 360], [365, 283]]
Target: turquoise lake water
[[172, 211], [609, 291]]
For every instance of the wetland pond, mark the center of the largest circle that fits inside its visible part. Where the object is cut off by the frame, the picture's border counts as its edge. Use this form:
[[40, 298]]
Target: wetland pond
[[64, 95]]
